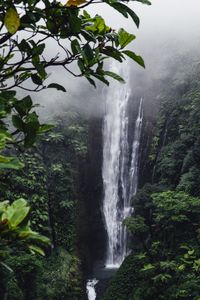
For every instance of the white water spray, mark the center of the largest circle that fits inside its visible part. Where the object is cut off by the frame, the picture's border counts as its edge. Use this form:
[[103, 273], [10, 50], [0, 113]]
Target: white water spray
[[119, 171], [91, 293]]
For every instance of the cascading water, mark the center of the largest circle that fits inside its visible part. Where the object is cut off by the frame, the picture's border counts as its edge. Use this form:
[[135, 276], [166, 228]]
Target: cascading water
[[90, 288], [119, 171]]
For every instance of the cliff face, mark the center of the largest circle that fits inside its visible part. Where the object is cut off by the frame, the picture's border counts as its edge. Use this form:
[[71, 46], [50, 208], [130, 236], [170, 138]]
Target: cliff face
[[91, 225]]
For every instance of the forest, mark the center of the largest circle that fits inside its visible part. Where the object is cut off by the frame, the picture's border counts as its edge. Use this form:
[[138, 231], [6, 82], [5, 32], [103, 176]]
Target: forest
[[103, 206]]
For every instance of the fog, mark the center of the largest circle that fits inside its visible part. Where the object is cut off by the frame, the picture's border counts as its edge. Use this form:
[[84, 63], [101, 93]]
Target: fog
[[168, 29]]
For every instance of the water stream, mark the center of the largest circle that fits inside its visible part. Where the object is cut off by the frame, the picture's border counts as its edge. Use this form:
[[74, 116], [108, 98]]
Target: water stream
[[90, 288], [119, 171]]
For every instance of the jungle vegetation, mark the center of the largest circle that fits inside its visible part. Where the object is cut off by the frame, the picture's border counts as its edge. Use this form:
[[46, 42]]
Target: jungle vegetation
[[39, 163]]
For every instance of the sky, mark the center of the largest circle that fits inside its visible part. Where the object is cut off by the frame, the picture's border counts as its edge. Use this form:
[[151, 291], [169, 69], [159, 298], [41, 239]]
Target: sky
[[167, 28]]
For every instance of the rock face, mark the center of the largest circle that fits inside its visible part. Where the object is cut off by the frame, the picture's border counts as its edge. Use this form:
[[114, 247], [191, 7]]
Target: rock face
[[91, 226]]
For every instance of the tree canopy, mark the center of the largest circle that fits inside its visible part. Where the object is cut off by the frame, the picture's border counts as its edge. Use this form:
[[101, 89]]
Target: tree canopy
[[28, 26], [81, 45]]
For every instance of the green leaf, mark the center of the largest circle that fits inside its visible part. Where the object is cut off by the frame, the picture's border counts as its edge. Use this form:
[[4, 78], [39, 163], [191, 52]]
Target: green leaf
[[36, 79], [114, 76], [39, 67], [89, 36], [23, 106], [125, 38], [91, 81], [143, 1], [135, 57], [125, 11], [6, 267], [133, 15], [17, 122], [10, 163], [19, 203], [12, 20], [147, 267], [75, 46], [57, 86], [88, 52], [18, 216], [86, 14], [119, 7], [112, 52], [45, 127], [38, 50], [35, 249], [101, 78]]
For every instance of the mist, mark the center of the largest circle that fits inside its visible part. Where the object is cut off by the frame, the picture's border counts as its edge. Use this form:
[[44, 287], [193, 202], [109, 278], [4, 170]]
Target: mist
[[168, 30]]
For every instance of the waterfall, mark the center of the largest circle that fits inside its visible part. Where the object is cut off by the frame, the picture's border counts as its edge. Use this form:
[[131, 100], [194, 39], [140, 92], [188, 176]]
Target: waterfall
[[91, 289], [119, 170]]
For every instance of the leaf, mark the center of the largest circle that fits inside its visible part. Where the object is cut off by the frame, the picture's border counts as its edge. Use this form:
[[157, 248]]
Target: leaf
[[125, 38], [36, 79], [6, 266], [86, 14], [24, 106], [91, 81], [39, 238], [10, 163], [114, 76], [18, 216], [133, 15], [144, 1], [101, 78], [88, 52], [38, 50], [112, 52], [35, 249], [57, 86], [89, 36], [12, 20], [75, 47], [75, 3], [45, 127], [135, 57], [120, 8], [17, 122], [147, 267], [19, 203]]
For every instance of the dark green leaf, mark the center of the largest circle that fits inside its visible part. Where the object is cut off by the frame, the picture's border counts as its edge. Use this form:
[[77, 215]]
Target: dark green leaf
[[57, 86], [36, 79], [114, 76], [17, 122], [23, 106], [112, 52], [135, 57]]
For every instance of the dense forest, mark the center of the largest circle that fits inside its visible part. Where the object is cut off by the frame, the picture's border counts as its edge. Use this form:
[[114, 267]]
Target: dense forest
[[52, 227]]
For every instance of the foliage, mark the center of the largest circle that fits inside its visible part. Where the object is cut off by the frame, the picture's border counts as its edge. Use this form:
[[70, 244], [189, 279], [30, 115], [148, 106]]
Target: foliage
[[15, 227], [49, 180], [165, 264], [16, 236], [27, 27], [60, 278], [23, 127], [176, 152]]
